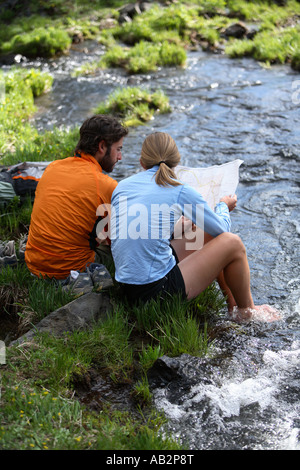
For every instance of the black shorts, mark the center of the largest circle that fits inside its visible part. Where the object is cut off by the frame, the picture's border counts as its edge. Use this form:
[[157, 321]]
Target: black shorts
[[172, 283]]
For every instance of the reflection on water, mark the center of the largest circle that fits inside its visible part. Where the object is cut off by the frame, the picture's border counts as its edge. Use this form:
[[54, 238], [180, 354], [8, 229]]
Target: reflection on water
[[224, 110]]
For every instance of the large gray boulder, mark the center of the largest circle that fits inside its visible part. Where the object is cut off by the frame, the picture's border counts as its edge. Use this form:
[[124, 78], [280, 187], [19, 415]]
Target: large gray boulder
[[81, 313]]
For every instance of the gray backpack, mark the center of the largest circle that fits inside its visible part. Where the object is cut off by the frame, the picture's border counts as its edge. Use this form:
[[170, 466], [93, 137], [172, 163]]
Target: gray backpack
[[7, 191], [20, 180]]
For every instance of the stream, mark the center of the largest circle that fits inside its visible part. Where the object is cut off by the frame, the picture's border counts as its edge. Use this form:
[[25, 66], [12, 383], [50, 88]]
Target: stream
[[246, 395]]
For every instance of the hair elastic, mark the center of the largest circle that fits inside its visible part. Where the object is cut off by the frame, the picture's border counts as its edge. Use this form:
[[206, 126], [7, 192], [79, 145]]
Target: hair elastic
[[162, 161]]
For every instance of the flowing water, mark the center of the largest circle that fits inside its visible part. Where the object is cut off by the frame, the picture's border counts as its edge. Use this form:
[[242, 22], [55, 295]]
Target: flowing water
[[246, 395]]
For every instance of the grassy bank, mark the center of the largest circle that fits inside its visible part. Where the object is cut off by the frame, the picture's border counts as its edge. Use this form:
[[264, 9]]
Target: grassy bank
[[158, 37], [43, 379], [19, 89], [165, 31], [19, 139]]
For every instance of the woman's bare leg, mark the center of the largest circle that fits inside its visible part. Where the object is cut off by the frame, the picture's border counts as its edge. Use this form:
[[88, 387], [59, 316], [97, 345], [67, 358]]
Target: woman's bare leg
[[230, 300], [179, 244], [224, 253]]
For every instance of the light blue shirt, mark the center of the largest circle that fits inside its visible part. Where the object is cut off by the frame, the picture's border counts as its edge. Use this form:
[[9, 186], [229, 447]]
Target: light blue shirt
[[142, 223]]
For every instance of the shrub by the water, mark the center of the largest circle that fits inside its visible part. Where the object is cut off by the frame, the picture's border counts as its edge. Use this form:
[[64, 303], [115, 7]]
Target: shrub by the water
[[143, 57], [20, 87], [280, 47], [134, 105], [42, 42]]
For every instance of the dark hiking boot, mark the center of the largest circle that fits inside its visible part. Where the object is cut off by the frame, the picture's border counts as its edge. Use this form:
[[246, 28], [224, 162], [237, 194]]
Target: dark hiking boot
[[100, 276]]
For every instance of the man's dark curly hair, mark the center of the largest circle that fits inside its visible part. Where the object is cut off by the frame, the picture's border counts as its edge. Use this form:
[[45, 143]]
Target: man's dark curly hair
[[96, 128]]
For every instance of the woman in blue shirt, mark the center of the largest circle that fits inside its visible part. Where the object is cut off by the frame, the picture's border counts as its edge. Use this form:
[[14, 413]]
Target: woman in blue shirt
[[153, 257]]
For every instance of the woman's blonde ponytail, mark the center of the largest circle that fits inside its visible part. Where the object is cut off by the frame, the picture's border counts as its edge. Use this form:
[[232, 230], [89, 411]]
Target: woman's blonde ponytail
[[160, 149]]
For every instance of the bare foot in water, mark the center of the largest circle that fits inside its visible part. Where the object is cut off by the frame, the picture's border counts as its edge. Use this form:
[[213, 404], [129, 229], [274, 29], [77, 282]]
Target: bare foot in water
[[266, 313], [263, 313]]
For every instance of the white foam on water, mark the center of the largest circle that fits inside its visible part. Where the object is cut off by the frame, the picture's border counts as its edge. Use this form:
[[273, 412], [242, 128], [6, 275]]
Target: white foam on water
[[172, 411], [283, 360], [212, 405], [231, 397], [292, 441]]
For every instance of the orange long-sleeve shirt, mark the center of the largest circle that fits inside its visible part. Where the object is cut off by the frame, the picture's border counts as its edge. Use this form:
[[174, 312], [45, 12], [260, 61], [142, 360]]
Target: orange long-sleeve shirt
[[64, 215]]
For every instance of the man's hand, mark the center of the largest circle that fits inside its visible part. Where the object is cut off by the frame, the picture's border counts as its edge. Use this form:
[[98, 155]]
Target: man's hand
[[230, 201]]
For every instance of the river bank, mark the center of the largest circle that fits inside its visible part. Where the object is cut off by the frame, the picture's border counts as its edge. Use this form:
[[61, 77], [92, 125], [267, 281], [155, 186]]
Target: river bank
[[138, 38]]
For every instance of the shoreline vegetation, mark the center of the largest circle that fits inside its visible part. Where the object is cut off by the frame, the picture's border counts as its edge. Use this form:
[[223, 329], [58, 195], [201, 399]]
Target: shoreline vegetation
[[42, 380], [137, 39]]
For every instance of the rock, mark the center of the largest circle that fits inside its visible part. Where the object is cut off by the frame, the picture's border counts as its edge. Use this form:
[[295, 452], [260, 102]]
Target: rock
[[107, 23], [19, 58], [252, 33], [236, 30], [128, 12], [179, 374], [77, 37], [130, 9], [7, 59], [79, 314], [144, 6], [164, 370]]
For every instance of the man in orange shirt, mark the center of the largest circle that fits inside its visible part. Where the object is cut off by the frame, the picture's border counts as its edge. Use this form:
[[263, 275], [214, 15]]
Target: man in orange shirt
[[62, 234]]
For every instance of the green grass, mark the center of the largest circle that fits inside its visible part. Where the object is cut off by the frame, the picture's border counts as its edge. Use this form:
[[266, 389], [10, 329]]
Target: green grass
[[153, 25], [177, 24], [20, 86], [278, 36], [263, 11], [18, 138], [143, 57], [46, 146], [42, 42], [135, 105], [40, 377], [26, 300], [182, 25], [183, 326], [296, 60], [15, 218], [36, 400], [38, 381], [281, 47]]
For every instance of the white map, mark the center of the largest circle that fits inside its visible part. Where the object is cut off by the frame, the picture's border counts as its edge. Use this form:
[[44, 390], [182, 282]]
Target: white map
[[212, 182]]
